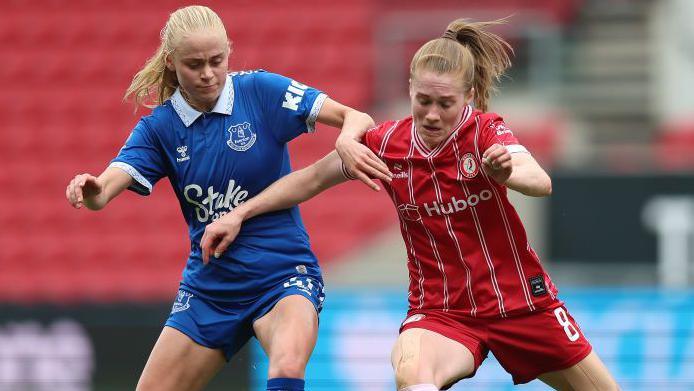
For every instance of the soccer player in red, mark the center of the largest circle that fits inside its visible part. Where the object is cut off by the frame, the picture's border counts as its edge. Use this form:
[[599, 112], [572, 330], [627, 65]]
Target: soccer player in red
[[475, 282]]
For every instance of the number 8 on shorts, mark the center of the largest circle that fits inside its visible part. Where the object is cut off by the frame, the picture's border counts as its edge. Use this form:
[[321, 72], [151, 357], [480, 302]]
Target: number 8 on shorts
[[570, 330]]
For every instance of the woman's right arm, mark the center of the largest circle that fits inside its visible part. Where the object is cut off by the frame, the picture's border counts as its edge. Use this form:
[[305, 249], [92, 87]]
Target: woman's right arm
[[95, 193], [286, 192]]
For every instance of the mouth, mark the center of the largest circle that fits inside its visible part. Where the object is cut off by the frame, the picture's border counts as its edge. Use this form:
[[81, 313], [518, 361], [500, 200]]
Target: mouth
[[431, 128], [208, 88]]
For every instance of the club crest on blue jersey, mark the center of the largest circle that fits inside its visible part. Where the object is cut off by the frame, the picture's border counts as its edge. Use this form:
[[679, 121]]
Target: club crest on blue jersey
[[241, 137]]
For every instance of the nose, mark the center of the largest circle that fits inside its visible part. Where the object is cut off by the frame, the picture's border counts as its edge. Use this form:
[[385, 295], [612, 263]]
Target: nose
[[206, 72], [432, 115]]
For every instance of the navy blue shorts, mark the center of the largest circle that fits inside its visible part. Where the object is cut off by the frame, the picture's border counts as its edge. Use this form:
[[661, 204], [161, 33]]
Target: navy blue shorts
[[228, 326]]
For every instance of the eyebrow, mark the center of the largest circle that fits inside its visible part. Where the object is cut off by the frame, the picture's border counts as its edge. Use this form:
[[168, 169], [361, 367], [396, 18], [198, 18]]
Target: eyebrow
[[445, 97], [195, 58]]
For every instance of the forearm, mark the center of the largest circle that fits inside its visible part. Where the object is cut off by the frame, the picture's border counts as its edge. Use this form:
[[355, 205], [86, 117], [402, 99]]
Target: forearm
[[294, 188], [113, 182], [530, 179]]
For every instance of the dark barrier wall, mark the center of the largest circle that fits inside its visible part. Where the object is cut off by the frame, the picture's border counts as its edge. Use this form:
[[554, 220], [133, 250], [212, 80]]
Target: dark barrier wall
[[88, 348], [598, 218]]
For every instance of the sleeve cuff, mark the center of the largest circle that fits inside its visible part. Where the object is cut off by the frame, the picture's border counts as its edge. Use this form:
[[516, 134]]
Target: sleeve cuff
[[315, 109], [141, 185], [516, 148]]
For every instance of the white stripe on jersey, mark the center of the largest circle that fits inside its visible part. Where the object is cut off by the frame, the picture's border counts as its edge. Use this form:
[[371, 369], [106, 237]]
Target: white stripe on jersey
[[480, 234], [386, 138], [452, 234], [509, 232], [437, 256], [409, 238]]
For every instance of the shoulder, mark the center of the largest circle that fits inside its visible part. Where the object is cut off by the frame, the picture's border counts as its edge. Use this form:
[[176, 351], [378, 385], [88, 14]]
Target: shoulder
[[487, 120], [159, 116], [257, 77], [383, 128], [376, 135], [247, 75]]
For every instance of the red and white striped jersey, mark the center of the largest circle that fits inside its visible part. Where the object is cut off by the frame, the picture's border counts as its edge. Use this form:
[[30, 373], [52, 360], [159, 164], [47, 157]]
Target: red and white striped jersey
[[467, 248]]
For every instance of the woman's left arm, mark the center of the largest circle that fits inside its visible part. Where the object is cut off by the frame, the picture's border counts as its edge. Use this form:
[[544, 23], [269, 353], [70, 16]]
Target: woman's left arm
[[528, 177], [518, 171], [358, 159]]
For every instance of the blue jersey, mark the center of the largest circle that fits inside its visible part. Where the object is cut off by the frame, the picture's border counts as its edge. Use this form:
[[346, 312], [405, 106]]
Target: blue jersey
[[217, 160]]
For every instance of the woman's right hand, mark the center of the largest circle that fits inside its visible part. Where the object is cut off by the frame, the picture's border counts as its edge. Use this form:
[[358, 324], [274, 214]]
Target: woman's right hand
[[81, 187]]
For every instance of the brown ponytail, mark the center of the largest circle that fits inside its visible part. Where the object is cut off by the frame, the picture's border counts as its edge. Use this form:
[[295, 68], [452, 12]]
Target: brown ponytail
[[467, 50]]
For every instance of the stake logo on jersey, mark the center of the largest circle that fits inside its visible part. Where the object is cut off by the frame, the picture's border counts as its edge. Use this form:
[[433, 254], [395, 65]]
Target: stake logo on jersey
[[241, 137], [182, 302], [468, 166], [214, 204]]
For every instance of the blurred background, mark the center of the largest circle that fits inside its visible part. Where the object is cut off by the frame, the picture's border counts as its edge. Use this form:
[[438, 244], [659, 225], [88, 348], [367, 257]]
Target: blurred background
[[601, 92]]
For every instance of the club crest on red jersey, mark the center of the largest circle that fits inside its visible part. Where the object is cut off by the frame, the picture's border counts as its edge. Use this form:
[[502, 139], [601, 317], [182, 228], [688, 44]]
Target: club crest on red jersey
[[409, 212], [468, 166]]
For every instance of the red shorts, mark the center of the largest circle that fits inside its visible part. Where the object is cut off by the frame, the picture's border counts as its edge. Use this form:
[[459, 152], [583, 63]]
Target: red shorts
[[526, 345]]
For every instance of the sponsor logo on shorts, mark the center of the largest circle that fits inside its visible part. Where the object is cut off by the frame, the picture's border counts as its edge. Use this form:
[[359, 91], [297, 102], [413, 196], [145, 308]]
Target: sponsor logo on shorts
[[182, 302], [413, 318], [301, 269]]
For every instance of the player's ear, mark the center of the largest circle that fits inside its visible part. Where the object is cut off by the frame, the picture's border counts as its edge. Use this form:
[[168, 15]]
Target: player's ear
[[168, 61], [470, 97]]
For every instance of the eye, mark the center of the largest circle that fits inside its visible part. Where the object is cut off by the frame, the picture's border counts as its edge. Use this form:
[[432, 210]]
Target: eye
[[424, 101]]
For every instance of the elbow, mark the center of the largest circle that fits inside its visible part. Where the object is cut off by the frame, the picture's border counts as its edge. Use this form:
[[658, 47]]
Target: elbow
[[546, 188], [363, 118]]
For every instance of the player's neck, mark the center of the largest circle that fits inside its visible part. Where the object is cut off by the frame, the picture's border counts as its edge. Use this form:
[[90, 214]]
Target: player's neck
[[203, 108]]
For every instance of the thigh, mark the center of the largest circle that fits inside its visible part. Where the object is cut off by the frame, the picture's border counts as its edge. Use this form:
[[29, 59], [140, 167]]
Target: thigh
[[590, 374], [533, 344], [178, 363], [422, 356], [290, 328]]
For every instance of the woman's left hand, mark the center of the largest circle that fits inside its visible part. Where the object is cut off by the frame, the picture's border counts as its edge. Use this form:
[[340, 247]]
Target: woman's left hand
[[496, 163], [218, 236], [360, 162]]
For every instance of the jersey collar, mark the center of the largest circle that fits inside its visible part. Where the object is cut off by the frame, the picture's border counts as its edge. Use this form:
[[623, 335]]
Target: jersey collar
[[188, 115]]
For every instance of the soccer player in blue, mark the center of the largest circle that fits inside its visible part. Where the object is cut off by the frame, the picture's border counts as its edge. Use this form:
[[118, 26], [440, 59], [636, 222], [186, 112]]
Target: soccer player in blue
[[221, 139]]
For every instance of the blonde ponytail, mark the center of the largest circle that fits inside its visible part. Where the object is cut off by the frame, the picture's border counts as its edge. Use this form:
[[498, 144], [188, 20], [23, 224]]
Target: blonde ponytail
[[477, 57], [155, 83]]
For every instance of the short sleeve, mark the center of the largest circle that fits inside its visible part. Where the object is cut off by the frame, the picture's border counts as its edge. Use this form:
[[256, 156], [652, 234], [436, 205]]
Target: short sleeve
[[141, 158], [495, 131], [289, 107]]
